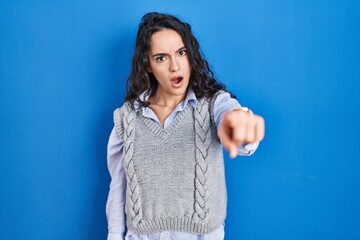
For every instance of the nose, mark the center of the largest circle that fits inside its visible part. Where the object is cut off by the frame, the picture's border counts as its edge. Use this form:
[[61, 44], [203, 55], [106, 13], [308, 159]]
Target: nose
[[174, 65]]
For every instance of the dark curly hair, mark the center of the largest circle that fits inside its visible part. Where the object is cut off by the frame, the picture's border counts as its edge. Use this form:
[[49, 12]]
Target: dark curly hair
[[140, 80]]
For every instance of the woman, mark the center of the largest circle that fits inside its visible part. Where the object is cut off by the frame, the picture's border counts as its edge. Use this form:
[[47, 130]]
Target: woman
[[165, 151]]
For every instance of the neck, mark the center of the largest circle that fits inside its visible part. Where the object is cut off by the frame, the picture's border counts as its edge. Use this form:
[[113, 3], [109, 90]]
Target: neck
[[165, 100]]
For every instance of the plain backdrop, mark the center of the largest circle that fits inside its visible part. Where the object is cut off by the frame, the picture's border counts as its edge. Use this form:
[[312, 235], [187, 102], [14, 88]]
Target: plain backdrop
[[63, 68]]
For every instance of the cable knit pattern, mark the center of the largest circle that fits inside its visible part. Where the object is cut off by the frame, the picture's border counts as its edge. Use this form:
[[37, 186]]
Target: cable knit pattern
[[175, 176], [132, 182], [202, 140]]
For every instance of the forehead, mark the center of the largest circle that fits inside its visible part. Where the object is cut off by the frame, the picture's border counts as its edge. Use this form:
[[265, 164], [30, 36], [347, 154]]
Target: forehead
[[166, 40]]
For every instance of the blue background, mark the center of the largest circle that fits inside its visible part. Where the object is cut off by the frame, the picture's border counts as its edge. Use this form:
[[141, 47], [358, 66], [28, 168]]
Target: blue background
[[63, 66]]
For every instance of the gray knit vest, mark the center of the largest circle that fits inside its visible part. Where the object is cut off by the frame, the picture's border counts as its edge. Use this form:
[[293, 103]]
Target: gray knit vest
[[175, 176]]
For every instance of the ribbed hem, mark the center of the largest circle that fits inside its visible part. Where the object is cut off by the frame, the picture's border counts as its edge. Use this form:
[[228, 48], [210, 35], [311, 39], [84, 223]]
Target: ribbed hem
[[180, 224]]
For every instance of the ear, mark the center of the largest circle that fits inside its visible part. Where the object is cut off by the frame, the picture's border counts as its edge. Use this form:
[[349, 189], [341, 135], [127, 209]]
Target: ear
[[148, 69]]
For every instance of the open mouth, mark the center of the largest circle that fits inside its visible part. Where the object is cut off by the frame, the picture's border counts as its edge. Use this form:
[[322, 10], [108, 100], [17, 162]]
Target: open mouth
[[177, 79]]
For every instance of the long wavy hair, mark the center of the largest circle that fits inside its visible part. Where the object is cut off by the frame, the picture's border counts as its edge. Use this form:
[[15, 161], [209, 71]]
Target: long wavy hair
[[140, 80]]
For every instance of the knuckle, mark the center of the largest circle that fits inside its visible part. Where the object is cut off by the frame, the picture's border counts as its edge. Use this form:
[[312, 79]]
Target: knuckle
[[239, 138], [250, 137]]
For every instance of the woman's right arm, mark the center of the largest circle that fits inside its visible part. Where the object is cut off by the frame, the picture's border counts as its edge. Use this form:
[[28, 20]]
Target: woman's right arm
[[115, 206]]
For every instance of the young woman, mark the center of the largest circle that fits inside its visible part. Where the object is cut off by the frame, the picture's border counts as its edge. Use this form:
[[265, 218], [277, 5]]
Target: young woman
[[165, 151]]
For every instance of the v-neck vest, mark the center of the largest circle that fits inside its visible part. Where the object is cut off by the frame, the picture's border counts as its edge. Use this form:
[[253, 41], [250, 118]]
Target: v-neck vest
[[175, 176]]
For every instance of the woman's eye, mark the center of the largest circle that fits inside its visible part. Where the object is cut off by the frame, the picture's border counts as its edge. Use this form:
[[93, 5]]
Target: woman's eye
[[160, 59], [182, 52]]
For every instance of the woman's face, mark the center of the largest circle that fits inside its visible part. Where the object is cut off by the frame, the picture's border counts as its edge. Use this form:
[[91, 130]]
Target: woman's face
[[169, 63]]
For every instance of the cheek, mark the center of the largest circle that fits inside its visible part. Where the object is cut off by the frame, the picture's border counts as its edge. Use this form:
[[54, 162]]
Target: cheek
[[186, 64], [160, 69], [153, 68], [189, 69], [159, 72]]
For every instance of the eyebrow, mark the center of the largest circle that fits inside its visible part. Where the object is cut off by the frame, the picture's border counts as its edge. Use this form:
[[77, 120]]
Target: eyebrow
[[161, 54]]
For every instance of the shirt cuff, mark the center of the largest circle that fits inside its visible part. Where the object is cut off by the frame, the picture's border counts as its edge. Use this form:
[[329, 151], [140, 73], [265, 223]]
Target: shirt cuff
[[248, 149], [115, 236]]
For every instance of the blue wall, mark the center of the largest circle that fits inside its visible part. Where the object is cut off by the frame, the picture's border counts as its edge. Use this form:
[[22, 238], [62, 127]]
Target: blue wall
[[63, 66]]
